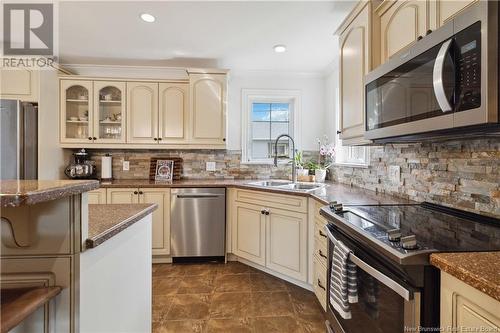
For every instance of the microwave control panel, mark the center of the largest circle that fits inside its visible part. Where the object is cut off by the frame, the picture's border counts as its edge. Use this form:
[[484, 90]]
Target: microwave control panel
[[468, 64]]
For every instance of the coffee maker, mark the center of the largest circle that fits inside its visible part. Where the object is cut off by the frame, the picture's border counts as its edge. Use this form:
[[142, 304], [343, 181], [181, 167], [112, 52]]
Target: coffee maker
[[82, 167]]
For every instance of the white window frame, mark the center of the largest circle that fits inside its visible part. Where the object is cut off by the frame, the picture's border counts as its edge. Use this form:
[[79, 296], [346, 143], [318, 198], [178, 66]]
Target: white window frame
[[345, 155], [250, 96]]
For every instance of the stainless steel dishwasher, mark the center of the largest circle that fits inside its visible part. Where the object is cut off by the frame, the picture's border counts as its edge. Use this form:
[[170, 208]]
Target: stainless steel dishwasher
[[197, 223]]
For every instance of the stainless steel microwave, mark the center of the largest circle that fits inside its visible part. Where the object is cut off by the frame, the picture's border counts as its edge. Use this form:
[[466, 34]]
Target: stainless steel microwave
[[445, 84]]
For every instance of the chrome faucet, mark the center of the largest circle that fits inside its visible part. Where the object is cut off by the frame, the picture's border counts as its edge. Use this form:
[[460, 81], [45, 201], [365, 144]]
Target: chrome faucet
[[294, 172]]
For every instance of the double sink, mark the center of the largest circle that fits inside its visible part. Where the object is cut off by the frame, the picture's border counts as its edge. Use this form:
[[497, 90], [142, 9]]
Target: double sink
[[287, 185]]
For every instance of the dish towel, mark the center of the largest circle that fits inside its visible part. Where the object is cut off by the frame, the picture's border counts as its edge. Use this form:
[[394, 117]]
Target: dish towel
[[343, 281]]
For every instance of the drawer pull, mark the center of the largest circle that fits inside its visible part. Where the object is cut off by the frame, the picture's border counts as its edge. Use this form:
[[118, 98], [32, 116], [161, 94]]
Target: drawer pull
[[319, 285], [321, 254], [322, 234]]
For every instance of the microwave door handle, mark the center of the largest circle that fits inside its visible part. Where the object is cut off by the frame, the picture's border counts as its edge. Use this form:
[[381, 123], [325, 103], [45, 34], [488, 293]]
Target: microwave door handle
[[437, 77], [382, 278]]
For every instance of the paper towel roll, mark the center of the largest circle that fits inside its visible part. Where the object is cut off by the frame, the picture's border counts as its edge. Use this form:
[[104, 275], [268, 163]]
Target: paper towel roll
[[106, 167]]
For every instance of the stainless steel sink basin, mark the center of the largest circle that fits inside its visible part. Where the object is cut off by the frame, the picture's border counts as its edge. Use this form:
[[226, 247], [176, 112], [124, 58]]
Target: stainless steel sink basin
[[302, 186], [270, 183], [287, 185]]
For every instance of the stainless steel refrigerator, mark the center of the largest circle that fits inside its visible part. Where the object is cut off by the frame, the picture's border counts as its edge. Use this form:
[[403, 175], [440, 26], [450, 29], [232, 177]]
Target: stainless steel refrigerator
[[18, 139]]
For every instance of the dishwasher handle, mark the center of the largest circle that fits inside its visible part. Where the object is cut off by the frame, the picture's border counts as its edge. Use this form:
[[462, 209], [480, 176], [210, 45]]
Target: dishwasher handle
[[198, 195]]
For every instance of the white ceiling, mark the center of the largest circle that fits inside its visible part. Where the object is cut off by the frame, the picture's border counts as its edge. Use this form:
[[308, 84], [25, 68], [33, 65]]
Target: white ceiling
[[235, 35]]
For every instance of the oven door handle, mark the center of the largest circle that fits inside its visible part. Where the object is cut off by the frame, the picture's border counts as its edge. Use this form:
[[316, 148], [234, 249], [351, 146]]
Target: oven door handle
[[437, 77], [382, 278]]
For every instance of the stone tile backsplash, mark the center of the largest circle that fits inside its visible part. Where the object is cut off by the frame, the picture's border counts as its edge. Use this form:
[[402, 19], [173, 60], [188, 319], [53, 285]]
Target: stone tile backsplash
[[228, 164], [459, 174]]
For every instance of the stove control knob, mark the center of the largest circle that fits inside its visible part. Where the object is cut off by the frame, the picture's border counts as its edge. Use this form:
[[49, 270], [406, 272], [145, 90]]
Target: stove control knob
[[409, 242], [394, 235], [338, 208], [332, 205]]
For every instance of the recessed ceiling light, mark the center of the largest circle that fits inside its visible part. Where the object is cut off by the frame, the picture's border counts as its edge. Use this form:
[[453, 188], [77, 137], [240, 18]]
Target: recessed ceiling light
[[279, 48], [147, 17]]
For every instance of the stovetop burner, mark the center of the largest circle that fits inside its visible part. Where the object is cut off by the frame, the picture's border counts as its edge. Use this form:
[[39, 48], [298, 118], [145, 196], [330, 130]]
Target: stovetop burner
[[413, 230]]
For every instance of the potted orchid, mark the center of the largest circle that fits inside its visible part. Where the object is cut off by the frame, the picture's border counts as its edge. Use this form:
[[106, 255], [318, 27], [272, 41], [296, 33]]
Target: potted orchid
[[326, 158]]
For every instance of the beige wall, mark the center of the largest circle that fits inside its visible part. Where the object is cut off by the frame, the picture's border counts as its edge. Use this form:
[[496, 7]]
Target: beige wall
[[51, 158]]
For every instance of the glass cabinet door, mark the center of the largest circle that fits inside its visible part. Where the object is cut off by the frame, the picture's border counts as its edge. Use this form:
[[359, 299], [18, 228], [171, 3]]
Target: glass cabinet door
[[76, 115], [109, 109]]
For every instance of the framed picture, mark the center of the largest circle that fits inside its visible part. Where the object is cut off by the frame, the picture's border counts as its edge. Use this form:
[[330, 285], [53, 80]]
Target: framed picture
[[164, 170]]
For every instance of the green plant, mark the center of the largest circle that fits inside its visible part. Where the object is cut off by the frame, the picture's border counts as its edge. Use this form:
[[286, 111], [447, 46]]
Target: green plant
[[312, 165], [298, 160]]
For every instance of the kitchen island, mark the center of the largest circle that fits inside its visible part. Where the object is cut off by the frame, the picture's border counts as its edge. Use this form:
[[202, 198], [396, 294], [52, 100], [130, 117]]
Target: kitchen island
[[52, 238]]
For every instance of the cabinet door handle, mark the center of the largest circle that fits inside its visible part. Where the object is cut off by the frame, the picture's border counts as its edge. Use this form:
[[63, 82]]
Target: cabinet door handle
[[224, 139], [140, 192], [319, 285], [321, 254], [156, 139], [90, 138], [339, 132], [94, 138], [159, 139], [322, 234], [263, 212], [266, 211], [135, 192]]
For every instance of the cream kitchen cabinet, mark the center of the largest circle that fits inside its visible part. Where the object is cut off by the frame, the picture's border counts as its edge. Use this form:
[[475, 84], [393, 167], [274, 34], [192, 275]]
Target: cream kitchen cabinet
[[109, 111], [77, 116], [271, 230], [161, 216], [401, 23], [92, 111], [286, 242], [466, 309], [142, 112], [97, 196], [157, 113], [173, 116], [249, 233], [444, 10], [208, 108], [22, 84], [357, 47], [122, 195]]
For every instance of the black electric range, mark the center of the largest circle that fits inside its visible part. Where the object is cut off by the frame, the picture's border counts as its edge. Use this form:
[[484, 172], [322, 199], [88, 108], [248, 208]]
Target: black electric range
[[407, 234], [391, 247]]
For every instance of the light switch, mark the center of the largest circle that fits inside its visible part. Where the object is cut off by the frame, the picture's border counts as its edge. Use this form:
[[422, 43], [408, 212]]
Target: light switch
[[126, 165], [210, 166]]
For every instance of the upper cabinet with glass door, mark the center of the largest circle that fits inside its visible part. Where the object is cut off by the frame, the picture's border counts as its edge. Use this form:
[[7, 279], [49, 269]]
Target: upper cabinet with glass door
[[109, 112], [76, 111]]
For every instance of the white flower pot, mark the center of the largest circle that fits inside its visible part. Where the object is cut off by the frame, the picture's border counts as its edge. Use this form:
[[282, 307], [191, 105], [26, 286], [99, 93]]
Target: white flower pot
[[302, 172], [320, 175]]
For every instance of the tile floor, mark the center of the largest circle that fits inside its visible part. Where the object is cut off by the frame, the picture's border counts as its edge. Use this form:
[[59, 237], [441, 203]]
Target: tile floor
[[230, 298]]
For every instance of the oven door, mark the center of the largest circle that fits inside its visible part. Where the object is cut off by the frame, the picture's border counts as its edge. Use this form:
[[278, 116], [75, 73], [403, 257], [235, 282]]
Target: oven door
[[385, 304]]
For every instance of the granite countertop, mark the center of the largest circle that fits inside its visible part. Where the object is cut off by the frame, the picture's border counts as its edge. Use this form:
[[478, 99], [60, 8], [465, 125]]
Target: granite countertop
[[332, 192], [106, 221], [480, 270], [14, 193]]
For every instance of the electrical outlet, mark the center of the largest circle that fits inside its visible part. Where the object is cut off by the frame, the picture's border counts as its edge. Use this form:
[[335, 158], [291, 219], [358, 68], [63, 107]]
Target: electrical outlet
[[126, 165], [395, 174], [210, 166]]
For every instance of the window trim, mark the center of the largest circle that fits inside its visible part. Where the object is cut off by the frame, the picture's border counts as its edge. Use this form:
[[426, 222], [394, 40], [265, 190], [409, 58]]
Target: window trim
[[250, 96]]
